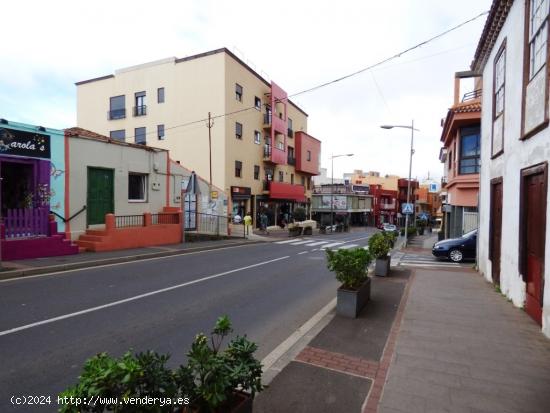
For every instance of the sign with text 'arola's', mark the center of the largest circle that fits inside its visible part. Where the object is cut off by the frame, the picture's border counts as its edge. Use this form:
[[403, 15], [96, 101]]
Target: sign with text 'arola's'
[[21, 143]]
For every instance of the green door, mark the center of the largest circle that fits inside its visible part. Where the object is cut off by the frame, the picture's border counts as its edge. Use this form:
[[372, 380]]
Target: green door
[[100, 195]]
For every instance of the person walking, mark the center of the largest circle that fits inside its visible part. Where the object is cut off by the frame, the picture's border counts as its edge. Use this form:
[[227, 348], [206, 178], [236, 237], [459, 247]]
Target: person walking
[[263, 222], [247, 223]]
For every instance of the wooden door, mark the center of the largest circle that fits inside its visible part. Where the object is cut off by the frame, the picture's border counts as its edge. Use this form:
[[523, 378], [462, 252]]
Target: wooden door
[[100, 194], [495, 229], [534, 187]]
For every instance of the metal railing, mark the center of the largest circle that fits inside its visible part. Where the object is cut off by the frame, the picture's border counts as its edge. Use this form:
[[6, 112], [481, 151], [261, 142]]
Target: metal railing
[[127, 221], [291, 160], [290, 133], [116, 114], [267, 118], [165, 218], [267, 151], [140, 110], [474, 94]]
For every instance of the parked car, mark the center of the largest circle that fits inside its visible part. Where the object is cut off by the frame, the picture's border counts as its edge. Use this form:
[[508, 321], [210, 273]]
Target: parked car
[[457, 249], [390, 228]]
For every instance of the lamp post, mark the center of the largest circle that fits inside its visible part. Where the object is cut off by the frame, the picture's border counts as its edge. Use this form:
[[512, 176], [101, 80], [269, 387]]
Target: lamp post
[[332, 188], [410, 168]]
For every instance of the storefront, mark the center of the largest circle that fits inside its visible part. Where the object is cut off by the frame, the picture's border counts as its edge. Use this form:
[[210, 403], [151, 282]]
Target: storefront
[[240, 200]]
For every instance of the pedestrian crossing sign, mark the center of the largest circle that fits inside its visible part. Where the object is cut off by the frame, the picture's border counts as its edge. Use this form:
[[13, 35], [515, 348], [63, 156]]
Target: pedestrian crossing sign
[[407, 208]]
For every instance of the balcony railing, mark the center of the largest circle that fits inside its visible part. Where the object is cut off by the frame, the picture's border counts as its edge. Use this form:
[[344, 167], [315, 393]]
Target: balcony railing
[[474, 94], [116, 114], [267, 151], [387, 206], [290, 133], [291, 160], [140, 110], [267, 118]]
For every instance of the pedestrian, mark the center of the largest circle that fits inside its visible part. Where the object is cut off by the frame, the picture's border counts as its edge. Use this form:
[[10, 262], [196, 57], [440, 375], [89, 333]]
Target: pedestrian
[[263, 222], [247, 222]]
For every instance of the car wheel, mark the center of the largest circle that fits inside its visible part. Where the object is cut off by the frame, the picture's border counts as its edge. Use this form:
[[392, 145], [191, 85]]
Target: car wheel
[[455, 255]]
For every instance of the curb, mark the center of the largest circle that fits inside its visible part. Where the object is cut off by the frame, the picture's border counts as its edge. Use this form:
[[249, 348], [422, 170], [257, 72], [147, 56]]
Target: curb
[[10, 274]]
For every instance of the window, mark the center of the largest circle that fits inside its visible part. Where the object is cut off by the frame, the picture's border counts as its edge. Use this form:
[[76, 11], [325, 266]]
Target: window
[[257, 137], [308, 156], [238, 130], [450, 160], [538, 33], [290, 131], [303, 181], [256, 172], [308, 182], [281, 176], [140, 136], [292, 179], [117, 107], [137, 187], [257, 103], [160, 132], [119, 135], [238, 169], [469, 151], [500, 68], [140, 109], [238, 92], [160, 95]]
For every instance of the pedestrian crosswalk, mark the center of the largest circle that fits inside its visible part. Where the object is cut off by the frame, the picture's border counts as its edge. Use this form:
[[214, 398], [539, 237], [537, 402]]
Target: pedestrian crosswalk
[[424, 261], [322, 245]]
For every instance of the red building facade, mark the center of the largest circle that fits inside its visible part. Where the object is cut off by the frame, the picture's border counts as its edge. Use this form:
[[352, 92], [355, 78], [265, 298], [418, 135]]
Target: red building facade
[[384, 205]]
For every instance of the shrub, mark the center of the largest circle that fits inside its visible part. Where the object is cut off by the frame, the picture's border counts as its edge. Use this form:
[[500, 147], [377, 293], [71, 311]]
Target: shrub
[[209, 379], [299, 214], [379, 245], [350, 266]]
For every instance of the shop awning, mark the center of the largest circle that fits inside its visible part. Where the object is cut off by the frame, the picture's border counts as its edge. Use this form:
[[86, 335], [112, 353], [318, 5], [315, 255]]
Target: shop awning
[[281, 190]]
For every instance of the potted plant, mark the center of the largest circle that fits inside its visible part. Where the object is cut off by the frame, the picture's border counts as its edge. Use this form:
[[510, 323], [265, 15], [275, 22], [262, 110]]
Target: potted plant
[[211, 381], [351, 269], [380, 246]]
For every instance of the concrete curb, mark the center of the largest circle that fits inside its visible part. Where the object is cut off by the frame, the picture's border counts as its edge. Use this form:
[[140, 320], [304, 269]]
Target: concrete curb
[[10, 274]]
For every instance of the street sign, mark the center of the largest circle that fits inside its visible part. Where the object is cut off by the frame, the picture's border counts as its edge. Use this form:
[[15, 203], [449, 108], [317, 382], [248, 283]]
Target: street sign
[[424, 216], [407, 208]]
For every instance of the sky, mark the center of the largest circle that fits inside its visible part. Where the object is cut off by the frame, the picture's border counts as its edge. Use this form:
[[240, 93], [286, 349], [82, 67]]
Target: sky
[[48, 46]]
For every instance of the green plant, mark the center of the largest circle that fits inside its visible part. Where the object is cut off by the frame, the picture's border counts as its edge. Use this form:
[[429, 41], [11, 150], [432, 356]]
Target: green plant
[[208, 381], [350, 266], [299, 214], [379, 245]]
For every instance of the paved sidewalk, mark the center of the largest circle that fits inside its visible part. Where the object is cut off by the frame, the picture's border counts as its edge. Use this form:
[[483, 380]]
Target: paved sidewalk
[[428, 341]]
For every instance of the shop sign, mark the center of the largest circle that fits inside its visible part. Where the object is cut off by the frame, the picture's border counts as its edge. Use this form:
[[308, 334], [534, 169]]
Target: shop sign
[[338, 202], [240, 192], [21, 143], [214, 195]]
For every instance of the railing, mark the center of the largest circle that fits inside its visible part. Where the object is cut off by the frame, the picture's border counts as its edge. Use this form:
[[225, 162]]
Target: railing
[[387, 206], [127, 221], [267, 118], [290, 133], [116, 114], [472, 95], [210, 224], [291, 160], [140, 110], [29, 222], [165, 218], [267, 151]]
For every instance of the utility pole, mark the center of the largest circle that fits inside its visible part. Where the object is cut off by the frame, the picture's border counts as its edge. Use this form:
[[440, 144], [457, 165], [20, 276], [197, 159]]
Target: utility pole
[[209, 125]]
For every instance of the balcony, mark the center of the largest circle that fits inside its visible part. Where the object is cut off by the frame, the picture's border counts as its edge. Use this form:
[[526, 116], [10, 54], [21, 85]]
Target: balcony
[[474, 94], [391, 205], [291, 160], [290, 133], [267, 152], [116, 114], [267, 120], [140, 110]]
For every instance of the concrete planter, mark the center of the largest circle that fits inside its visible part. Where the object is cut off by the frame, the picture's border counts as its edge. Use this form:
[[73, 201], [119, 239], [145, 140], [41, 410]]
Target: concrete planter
[[350, 302], [382, 266]]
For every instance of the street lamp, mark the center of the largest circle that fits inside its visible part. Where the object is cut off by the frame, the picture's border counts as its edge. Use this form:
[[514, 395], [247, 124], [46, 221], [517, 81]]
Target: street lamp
[[410, 167], [332, 188]]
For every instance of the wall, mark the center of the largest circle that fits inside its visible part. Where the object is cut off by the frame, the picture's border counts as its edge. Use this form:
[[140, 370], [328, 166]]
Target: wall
[[517, 155], [84, 153]]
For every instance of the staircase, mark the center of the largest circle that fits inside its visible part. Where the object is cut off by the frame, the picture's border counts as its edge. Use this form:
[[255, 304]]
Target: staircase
[[93, 240]]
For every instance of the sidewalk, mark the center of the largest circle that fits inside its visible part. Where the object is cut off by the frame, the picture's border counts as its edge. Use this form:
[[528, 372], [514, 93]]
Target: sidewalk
[[12, 269], [428, 341]]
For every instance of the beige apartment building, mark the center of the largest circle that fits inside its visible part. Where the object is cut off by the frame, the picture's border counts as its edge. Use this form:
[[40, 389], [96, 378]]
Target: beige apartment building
[[255, 147], [388, 182]]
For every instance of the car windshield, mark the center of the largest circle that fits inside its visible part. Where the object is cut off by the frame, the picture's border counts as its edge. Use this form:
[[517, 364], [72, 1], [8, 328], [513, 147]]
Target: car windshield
[[469, 234]]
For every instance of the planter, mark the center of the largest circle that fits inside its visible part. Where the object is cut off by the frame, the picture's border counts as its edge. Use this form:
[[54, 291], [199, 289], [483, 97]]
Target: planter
[[242, 403], [382, 266], [350, 302]]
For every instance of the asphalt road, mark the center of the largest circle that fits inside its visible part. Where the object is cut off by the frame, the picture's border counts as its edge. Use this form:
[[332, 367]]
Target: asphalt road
[[51, 324]]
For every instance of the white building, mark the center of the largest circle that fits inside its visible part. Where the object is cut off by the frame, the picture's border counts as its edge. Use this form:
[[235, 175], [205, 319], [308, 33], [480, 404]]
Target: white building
[[515, 147]]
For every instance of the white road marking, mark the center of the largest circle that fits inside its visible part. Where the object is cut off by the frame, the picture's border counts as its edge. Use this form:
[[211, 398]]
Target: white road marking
[[347, 246], [301, 242], [317, 243], [334, 244], [137, 297], [303, 252], [288, 240]]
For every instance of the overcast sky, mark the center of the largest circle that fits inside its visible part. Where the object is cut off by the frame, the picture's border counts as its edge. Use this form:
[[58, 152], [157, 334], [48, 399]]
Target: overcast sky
[[49, 45]]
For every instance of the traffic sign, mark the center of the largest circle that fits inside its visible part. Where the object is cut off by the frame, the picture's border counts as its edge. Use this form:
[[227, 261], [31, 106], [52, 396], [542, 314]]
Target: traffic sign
[[407, 208]]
